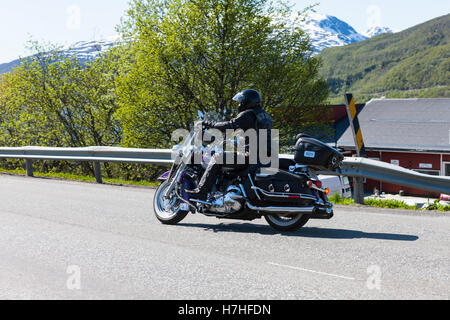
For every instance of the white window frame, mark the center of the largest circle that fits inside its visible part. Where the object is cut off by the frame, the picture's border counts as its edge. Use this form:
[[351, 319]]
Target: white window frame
[[444, 163]]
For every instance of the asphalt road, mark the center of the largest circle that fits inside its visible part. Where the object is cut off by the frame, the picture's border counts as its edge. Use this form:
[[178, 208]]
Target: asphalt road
[[68, 240]]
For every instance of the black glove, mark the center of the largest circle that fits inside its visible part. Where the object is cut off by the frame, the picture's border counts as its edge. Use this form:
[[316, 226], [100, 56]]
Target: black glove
[[206, 125]]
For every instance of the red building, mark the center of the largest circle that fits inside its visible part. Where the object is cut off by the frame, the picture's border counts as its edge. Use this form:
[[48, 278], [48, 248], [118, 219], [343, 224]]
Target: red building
[[411, 133]]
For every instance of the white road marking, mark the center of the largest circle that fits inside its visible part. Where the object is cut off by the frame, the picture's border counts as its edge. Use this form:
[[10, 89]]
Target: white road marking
[[313, 271]]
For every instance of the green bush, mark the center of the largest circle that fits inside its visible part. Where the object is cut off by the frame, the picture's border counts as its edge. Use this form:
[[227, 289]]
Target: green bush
[[392, 204], [337, 199], [437, 206]]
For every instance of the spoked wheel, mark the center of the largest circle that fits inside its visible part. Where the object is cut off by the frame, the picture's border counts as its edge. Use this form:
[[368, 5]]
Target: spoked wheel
[[282, 222], [167, 210]]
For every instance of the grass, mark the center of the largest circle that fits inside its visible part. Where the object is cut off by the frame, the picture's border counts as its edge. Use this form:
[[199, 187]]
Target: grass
[[73, 177], [391, 204]]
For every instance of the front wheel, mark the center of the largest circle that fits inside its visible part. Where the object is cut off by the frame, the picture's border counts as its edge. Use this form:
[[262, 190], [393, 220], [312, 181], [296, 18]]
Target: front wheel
[[167, 210], [287, 223]]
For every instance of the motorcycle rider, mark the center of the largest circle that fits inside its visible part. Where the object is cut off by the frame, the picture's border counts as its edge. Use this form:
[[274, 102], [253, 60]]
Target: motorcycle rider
[[250, 116]]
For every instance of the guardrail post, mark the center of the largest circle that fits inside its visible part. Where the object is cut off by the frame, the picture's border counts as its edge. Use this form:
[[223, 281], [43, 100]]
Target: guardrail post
[[98, 172], [29, 167], [358, 190]]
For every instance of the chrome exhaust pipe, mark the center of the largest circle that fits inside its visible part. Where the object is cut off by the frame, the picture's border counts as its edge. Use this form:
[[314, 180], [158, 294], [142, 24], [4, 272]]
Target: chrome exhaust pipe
[[282, 210]]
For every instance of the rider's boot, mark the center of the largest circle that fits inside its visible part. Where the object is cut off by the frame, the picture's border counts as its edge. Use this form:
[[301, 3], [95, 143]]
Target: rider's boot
[[206, 182]]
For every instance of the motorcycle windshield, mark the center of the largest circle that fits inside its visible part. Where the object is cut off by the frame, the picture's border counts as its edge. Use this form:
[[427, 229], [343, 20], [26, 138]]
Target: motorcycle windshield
[[191, 144], [187, 145]]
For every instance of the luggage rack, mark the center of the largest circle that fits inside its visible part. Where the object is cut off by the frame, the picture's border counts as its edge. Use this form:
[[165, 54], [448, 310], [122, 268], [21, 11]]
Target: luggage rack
[[307, 170], [303, 168]]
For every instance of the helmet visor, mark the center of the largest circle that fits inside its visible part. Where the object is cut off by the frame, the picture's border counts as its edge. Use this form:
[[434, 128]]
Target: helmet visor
[[239, 97]]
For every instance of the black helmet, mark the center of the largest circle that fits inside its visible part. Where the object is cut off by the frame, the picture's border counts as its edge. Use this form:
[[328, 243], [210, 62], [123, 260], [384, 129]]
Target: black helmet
[[248, 99]]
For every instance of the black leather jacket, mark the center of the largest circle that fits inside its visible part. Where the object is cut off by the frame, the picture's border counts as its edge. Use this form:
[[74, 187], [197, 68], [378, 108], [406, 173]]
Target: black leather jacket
[[256, 118], [245, 120]]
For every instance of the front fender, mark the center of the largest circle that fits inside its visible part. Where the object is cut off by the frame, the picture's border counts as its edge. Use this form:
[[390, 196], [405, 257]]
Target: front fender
[[165, 176]]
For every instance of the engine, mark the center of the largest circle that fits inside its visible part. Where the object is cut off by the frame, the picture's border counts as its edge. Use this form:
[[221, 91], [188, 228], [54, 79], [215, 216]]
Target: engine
[[227, 203]]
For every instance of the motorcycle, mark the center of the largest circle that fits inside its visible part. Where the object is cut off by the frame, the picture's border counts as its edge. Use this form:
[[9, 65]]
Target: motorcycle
[[287, 197]]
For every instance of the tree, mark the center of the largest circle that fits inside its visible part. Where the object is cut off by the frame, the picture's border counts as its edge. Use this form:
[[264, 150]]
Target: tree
[[53, 99], [189, 55], [63, 101]]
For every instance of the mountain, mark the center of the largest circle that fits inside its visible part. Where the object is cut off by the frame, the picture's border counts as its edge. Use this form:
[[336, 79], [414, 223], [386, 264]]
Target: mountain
[[376, 31], [7, 67], [411, 63], [324, 30], [327, 31], [83, 50]]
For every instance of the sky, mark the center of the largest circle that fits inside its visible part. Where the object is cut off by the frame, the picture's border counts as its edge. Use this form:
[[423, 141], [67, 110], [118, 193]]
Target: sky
[[65, 22], [398, 15]]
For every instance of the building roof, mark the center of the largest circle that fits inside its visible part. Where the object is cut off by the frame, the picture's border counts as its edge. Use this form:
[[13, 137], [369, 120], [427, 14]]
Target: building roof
[[335, 118], [403, 124]]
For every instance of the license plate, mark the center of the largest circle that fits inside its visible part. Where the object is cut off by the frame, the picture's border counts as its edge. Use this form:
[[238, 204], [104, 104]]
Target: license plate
[[184, 206]]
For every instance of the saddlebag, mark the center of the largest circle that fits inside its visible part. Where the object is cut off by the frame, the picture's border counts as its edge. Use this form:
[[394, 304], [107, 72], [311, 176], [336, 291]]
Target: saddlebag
[[316, 154], [279, 187]]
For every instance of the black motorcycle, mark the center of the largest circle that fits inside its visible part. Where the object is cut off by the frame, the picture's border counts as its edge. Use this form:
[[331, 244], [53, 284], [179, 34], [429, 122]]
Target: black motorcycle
[[286, 197]]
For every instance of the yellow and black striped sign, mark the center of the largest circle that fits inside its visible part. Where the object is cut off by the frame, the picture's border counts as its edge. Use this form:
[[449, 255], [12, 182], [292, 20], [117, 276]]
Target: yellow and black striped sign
[[354, 124]]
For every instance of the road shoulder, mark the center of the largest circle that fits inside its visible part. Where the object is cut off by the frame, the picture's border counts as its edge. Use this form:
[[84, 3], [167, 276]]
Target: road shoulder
[[360, 208]]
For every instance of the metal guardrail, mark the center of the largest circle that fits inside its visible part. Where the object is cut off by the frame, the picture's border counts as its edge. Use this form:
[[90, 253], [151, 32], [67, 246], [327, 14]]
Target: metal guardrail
[[99, 154], [353, 167], [382, 171], [91, 154]]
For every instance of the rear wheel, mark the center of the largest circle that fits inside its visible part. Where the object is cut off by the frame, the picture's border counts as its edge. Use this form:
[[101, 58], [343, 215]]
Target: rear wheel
[[290, 223], [167, 210]]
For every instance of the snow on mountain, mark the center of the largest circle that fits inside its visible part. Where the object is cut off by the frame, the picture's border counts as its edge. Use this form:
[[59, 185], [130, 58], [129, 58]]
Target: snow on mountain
[[327, 31], [83, 50], [86, 50], [375, 31]]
